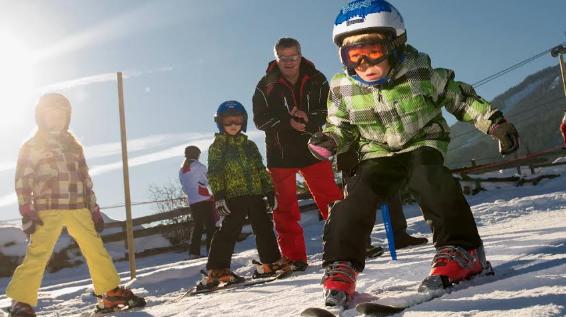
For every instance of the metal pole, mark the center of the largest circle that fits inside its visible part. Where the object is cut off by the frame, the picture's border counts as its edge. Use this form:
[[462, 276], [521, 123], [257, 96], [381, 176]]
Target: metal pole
[[559, 51], [563, 68], [389, 231], [128, 202]]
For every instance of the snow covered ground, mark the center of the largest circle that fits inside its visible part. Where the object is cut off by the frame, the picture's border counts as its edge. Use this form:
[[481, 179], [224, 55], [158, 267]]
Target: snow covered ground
[[523, 228]]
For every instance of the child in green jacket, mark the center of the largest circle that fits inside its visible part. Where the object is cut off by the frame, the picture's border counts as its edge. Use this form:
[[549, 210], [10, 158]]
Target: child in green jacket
[[390, 99], [239, 182]]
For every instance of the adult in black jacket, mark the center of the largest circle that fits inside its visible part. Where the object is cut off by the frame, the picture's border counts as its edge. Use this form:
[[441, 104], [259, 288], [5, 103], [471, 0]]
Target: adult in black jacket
[[289, 104]]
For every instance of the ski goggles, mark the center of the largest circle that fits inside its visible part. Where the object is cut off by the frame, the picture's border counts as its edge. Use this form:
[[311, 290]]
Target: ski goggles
[[371, 52], [231, 122]]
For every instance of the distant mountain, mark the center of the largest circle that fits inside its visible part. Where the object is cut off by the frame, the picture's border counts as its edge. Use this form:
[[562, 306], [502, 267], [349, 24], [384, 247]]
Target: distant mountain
[[535, 106]]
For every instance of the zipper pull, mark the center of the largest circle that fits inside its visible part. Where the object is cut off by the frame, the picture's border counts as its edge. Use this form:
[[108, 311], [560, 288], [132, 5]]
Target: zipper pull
[[286, 104]]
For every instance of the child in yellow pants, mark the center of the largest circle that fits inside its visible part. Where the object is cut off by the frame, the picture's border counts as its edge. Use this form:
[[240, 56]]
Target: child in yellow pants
[[55, 191]]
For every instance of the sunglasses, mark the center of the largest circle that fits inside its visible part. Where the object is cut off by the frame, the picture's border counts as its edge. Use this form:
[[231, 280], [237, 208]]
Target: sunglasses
[[371, 52], [286, 59]]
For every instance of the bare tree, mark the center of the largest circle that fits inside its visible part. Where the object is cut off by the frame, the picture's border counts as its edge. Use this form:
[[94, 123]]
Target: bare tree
[[168, 197]]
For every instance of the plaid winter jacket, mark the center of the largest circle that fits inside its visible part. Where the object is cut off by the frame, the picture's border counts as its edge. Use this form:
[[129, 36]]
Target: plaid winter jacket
[[406, 114], [235, 168], [52, 174]]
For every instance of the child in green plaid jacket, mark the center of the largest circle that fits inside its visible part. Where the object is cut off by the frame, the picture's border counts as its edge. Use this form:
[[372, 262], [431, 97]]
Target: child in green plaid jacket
[[390, 99]]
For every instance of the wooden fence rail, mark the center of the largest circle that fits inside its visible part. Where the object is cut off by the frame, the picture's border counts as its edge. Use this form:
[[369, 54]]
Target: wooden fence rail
[[533, 160]]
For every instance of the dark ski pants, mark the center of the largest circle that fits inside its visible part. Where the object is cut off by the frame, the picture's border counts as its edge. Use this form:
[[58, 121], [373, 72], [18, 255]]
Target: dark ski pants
[[377, 180], [398, 220], [225, 238], [202, 214]]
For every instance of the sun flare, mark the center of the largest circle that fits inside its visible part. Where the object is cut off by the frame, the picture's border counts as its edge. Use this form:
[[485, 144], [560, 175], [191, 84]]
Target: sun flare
[[16, 77]]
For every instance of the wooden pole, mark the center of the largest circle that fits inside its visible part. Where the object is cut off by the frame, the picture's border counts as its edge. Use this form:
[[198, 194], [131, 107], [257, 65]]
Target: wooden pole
[[128, 202], [563, 71]]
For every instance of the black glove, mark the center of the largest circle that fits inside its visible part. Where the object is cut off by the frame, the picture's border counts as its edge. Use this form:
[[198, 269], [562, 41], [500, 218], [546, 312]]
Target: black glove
[[97, 219], [221, 207], [271, 201], [507, 135], [30, 223], [322, 146]]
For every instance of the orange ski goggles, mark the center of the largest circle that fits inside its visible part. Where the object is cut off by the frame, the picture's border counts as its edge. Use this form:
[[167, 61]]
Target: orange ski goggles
[[371, 52]]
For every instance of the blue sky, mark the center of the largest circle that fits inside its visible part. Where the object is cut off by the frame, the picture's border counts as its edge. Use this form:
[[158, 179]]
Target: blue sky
[[183, 58]]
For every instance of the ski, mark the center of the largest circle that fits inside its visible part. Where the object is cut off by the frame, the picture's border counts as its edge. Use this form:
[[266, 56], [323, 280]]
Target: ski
[[382, 308], [317, 312], [99, 313], [246, 282], [370, 308], [5, 311]]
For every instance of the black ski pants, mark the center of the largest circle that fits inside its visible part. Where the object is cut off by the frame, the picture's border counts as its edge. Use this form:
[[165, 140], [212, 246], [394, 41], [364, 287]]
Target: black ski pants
[[225, 238], [377, 180], [202, 214], [398, 220]]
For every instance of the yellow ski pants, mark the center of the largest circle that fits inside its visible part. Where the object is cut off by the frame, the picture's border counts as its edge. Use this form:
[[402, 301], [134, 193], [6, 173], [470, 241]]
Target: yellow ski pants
[[27, 278]]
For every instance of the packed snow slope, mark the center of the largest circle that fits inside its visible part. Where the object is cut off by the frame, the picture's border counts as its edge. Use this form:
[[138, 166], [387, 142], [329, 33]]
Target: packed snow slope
[[523, 229]]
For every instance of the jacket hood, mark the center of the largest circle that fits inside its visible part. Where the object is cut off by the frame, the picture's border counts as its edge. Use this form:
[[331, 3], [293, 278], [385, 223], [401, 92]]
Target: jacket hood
[[412, 60]]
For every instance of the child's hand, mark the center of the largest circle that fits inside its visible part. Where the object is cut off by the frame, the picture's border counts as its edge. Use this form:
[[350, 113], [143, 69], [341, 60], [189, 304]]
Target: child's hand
[[271, 200], [322, 146], [97, 219], [507, 135], [30, 223], [222, 208]]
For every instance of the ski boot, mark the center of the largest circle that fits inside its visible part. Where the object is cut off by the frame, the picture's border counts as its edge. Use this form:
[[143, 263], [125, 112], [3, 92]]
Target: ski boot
[[215, 277], [299, 265], [296, 265], [19, 309], [373, 251], [270, 269], [119, 298], [404, 240], [453, 264], [339, 283]]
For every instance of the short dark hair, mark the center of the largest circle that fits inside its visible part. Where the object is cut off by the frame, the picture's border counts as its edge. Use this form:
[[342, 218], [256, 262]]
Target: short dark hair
[[286, 42]]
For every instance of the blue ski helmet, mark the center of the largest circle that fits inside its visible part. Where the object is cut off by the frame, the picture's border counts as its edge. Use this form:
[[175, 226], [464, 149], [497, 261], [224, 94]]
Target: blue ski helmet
[[363, 16], [230, 108]]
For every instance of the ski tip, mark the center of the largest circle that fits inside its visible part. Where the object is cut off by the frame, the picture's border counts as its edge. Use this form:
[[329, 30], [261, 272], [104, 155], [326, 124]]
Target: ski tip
[[283, 274], [375, 308], [316, 312]]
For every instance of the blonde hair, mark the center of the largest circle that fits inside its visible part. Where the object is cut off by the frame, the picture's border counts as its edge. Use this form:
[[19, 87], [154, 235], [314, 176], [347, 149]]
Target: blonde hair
[[365, 37]]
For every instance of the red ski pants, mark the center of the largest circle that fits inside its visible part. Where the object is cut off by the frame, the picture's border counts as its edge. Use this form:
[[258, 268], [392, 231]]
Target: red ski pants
[[319, 178]]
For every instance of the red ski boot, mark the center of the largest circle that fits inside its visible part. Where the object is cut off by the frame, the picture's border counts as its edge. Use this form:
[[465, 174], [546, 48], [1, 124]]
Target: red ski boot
[[453, 264], [120, 298], [20, 309], [339, 283]]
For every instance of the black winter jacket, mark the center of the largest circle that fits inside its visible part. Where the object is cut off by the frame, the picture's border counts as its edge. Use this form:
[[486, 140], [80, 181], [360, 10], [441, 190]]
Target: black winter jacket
[[274, 98]]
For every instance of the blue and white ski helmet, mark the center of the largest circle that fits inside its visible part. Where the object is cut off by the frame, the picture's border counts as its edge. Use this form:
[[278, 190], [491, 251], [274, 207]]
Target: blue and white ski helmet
[[231, 108], [363, 16]]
